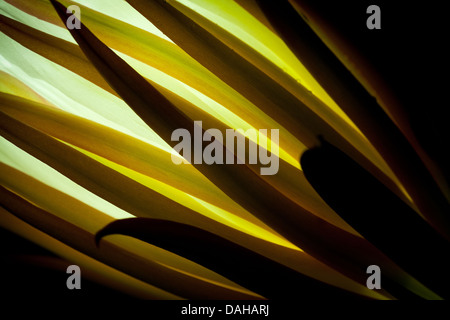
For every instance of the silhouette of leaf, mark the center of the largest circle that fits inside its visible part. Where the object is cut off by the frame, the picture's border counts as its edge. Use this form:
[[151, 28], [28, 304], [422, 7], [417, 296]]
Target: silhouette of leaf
[[381, 217], [364, 110], [245, 267], [117, 254], [62, 52]]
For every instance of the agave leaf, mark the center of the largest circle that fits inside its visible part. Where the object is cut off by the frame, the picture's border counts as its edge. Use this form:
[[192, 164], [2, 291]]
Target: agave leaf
[[95, 104], [13, 86], [228, 60], [162, 55], [57, 50], [99, 179], [240, 31], [253, 8], [119, 148]]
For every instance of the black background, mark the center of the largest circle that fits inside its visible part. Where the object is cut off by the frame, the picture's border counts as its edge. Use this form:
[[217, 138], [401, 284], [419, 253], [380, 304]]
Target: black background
[[410, 53]]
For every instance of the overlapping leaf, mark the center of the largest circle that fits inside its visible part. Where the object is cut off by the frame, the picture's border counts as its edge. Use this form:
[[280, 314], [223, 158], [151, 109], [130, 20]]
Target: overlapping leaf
[[228, 74]]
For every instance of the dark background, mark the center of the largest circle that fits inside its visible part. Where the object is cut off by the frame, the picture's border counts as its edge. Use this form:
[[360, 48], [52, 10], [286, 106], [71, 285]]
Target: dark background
[[410, 53]]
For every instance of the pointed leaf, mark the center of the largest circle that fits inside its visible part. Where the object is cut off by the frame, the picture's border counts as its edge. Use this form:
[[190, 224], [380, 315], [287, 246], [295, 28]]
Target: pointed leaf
[[237, 263], [379, 215]]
